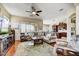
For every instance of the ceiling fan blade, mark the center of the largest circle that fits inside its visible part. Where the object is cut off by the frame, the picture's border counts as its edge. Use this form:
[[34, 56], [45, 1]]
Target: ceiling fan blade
[[28, 11], [39, 11], [37, 14], [33, 8]]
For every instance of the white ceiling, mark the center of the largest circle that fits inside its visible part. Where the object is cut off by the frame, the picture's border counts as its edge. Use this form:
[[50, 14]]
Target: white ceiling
[[50, 10]]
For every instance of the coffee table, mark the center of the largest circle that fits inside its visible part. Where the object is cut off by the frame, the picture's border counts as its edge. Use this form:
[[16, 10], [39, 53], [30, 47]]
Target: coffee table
[[37, 40]]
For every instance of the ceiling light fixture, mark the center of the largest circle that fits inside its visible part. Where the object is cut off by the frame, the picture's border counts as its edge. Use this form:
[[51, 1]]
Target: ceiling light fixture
[[33, 13]]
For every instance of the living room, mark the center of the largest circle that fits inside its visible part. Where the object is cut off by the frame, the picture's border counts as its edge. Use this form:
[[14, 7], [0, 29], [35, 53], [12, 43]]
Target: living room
[[38, 29]]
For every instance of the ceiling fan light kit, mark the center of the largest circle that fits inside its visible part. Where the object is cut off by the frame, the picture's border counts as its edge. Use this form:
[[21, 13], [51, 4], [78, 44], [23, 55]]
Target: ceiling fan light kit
[[34, 11]]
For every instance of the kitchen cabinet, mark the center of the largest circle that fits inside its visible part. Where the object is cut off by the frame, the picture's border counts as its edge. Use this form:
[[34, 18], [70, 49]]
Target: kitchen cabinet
[[6, 41]]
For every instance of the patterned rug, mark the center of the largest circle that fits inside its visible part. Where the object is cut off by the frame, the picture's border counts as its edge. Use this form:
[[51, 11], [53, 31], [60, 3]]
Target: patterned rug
[[24, 49]]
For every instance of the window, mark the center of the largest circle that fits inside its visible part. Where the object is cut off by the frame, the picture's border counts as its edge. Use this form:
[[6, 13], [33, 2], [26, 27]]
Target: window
[[27, 28], [4, 24], [46, 28], [22, 26], [30, 28], [0, 23]]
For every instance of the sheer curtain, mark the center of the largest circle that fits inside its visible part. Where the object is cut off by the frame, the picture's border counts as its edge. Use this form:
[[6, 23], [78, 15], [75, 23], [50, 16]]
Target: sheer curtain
[[30, 28], [27, 28]]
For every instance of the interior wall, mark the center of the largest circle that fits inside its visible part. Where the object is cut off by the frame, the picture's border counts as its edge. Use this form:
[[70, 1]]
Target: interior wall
[[16, 19], [69, 14], [38, 23], [66, 19], [55, 21], [77, 20], [3, 12]]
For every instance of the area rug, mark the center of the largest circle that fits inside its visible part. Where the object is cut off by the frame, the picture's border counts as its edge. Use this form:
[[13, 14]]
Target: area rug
[[30, 50]]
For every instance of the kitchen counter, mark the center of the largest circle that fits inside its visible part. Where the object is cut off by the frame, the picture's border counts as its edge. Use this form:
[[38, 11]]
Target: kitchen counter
[[4, 36], [6, 42]]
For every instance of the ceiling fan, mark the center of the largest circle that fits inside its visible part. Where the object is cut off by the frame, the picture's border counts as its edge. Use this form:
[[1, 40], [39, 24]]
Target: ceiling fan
[[34, 11]]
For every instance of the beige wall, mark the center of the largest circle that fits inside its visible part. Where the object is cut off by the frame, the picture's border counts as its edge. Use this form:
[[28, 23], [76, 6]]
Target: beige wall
[[38, 22], [3, 12], [16, 19], [77, 20], [69, 14]]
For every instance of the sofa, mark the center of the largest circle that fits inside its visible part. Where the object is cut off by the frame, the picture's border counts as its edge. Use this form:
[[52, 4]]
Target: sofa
[[49, 38]]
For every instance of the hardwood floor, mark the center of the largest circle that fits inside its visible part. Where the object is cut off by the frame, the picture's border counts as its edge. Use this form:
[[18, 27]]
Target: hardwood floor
[[13, 48]]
